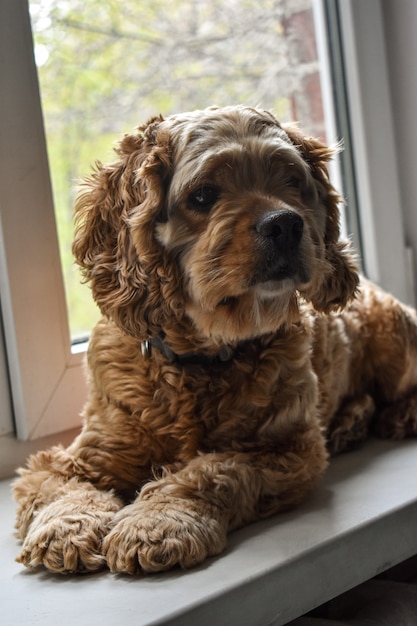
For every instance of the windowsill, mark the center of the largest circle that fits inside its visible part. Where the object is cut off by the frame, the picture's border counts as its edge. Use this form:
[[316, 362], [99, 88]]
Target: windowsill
[[360, 521]]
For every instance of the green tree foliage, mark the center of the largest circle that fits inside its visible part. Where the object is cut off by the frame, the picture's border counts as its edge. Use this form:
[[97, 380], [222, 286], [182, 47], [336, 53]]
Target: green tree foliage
[[105, 67]]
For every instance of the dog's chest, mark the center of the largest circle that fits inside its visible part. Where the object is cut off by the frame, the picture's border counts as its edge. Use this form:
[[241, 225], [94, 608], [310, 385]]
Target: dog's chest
[[193, 406], [174, 411], [234, 404]]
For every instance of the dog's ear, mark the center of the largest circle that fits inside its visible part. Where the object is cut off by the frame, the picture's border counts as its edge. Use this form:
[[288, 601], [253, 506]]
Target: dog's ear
[[337, 279], [115, 243]]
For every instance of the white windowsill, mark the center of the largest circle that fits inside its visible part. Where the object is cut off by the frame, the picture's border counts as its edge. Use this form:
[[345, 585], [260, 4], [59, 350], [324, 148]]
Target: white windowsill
[[360, 521]]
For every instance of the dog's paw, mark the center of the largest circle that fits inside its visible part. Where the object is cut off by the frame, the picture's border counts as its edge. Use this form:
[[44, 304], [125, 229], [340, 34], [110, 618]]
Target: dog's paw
[[66, 536], [162, 532]]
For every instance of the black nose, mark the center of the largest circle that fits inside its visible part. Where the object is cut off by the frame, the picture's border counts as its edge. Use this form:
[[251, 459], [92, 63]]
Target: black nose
[[284, 227]]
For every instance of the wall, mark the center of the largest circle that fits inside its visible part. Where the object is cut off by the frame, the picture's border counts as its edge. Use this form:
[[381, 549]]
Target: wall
[[400, 22]]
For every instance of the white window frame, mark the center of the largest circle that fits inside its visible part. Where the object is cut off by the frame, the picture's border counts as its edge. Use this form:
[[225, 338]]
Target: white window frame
[[387, 261], [47, 380]]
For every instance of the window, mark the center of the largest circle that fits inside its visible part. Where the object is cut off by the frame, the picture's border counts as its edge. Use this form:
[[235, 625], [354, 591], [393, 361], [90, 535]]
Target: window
[[46, 379], [45, 371]]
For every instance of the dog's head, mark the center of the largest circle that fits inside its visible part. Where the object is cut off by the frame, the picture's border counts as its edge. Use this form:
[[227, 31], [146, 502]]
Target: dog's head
[[215, 221]]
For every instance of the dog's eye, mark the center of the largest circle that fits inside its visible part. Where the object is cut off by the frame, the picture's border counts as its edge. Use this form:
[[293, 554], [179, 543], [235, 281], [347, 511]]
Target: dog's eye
[[293, 182], [203, 198]]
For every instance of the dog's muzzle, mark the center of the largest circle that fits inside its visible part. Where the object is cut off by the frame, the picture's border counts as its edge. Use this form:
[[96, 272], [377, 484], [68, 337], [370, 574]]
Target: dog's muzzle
[[279, 235], [283, 229]]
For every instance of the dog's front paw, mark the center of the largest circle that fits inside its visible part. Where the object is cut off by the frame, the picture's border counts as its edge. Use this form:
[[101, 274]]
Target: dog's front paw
[[66, 536], [162, 532]]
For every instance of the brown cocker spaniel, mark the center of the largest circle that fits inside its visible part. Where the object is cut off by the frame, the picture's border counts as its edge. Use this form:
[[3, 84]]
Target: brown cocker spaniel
[[236, 349]]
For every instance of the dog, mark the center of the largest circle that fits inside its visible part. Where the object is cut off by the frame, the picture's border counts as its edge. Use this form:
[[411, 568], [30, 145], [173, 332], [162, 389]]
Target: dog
[[238, 347]]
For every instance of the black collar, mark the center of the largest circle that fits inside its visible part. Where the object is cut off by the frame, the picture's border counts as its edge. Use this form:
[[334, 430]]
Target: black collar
[[190, 358]]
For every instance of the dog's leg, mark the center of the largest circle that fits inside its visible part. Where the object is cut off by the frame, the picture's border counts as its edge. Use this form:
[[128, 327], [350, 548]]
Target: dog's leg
[[351, 425], [399, 419], [61, 518], [185, 516], [392, 353]]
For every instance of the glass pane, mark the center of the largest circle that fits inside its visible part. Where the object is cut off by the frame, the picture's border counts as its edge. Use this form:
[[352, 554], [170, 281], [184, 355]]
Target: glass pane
[[105, 67]]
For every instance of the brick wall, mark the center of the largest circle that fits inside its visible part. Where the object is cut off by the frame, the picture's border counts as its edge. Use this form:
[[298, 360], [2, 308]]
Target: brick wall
[[305, 97]]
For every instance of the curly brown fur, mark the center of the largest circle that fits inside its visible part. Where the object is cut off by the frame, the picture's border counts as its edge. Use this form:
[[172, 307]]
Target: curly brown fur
[[234, 337]]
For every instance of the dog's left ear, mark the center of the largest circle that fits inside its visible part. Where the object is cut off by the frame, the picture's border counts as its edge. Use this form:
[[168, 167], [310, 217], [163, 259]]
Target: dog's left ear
[[337, 280]]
